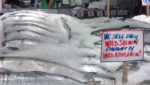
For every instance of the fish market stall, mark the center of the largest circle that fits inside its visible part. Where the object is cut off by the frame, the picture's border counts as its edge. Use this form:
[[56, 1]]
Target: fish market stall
[[56, 49]]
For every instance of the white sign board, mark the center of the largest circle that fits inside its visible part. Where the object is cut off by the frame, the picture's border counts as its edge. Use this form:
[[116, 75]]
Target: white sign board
[[122, 45], [145, 2], [65, 1]]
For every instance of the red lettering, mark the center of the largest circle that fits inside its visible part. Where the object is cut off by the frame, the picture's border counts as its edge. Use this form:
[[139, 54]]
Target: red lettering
[[130, 42], [107, 44], [121, 54], [120, 43], [107, 55], [136, 42], [111, 43]]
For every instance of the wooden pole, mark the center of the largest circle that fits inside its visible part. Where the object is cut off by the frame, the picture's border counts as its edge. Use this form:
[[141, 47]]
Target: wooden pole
[[125, 73], [35, 4], [50, 3], [108, 8], [147, 10]]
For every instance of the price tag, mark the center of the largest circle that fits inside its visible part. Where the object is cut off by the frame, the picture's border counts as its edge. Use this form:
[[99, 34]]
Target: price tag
[[113, 13], [70, 12], [90, 13], [65, 1], [80, 13], [100, 13]]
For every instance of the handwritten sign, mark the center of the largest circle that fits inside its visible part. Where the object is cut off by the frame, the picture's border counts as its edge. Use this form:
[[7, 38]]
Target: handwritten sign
[[80, 13], [91, 13], [100, 13], [70, 12], [122, 45]]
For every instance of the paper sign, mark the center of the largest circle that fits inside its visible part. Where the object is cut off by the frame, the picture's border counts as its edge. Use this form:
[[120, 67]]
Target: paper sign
[[80, 13], [69, 12], [122, 45], [65, 1], [100, 13], [145, 2], [90, 13]]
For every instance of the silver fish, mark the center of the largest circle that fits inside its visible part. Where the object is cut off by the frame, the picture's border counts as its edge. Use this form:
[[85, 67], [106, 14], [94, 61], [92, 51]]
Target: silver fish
[[61, 59], [25, 44], [25, 64], [36, 78], [137, 24], [75, 61], [53, 29], [28, 24], [29, 36], [15, 18], [35, 14], [25, 19], [62, 36]]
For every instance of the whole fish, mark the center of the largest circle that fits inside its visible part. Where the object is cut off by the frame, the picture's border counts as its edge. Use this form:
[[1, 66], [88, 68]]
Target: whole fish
[[28, 24], [27, 65], [35, 14], [29, 36], [23, 64], [52, 53], [137, 24], [36, 78], [76, 58], [62, 36]]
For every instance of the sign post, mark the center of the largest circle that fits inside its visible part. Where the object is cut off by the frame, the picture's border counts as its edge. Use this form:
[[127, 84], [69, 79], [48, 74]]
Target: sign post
[[147, 10], [1, 3], [125, 73], [108, 8], [122, 46], [146, 3]]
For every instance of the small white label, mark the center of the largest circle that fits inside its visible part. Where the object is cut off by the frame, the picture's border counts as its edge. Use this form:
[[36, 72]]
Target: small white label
[[65, 1]]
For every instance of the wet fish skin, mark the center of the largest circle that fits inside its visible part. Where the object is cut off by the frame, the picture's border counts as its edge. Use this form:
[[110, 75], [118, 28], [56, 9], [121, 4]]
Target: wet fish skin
[[38, 31], [29, 23], [18, 65], [36, 78], [64, 61], [26, 13], [25, 64]]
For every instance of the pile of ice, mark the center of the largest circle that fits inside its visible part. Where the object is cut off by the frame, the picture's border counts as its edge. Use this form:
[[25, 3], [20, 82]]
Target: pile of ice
[[63, 46], [138, 71], [54, 44], [142, 18]]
